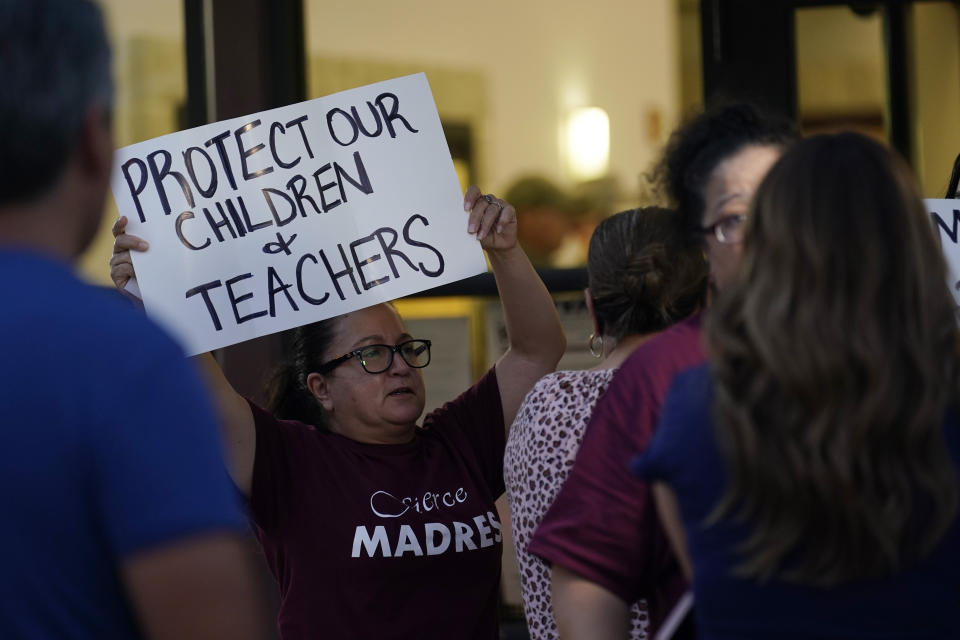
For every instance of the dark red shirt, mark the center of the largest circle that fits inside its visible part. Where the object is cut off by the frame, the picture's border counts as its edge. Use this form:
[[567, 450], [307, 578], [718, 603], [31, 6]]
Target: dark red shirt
[[603, 524], [385, 541]]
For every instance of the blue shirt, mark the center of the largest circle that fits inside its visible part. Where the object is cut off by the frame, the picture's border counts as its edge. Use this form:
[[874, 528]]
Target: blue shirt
[[923, 602], [107, 448]]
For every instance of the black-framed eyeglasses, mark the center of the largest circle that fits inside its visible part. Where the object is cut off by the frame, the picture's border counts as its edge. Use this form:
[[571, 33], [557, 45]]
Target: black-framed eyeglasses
[[728, 229], [377, 358]]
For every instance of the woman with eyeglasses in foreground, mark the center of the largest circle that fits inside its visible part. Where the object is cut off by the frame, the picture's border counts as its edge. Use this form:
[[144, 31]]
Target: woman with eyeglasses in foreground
[[373, 526], [815, 458]]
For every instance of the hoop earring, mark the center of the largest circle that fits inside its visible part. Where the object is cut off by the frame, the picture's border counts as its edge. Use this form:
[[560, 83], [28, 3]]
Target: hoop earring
[[594, 350]]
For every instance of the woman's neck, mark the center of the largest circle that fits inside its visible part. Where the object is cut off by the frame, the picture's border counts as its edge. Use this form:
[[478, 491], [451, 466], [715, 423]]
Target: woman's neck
[[621, 350], [380, 434]]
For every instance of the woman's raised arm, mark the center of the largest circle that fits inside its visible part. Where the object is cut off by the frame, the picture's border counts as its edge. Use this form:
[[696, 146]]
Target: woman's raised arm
[[536, 340]]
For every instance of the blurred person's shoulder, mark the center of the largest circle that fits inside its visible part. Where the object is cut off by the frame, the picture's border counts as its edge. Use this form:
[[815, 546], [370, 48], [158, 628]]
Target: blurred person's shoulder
[[676, 348], [568, 381], [47, 306]]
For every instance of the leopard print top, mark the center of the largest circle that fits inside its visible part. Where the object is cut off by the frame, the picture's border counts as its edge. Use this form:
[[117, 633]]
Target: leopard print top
[[541, 448]]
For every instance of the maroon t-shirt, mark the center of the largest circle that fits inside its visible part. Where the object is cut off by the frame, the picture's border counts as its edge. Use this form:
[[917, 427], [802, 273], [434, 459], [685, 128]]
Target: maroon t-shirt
[[603, 524], [385, 541]]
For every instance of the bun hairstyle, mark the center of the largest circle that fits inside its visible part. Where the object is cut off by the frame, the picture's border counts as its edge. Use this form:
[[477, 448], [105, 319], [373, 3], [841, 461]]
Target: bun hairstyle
[[288, 397], [643, 274], [696, 148]]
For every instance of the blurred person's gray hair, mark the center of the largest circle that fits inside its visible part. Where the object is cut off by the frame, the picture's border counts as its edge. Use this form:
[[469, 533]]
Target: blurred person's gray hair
[[54, 66]]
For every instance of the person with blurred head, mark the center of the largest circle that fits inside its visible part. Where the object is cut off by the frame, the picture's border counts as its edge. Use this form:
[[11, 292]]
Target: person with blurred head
[[643, 277], [602, 535], [118, 521], [815, 459]]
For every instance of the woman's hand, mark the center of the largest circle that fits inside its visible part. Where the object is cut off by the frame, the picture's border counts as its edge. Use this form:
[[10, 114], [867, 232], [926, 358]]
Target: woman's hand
[[493, 220], [121, 267]]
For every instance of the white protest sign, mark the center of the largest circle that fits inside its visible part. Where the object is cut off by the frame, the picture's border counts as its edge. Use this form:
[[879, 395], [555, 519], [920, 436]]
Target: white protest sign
[[945, 215], [292, 215]]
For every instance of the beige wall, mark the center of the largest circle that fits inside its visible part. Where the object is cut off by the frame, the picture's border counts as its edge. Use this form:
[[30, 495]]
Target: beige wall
[[536, 58], [690, 55]]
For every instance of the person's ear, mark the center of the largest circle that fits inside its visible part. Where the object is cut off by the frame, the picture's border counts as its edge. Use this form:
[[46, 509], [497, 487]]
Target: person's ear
[[317, 384], [593, 315]]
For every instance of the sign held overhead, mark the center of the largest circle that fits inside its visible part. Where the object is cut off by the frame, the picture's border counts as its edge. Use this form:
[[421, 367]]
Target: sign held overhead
[[292, 215]]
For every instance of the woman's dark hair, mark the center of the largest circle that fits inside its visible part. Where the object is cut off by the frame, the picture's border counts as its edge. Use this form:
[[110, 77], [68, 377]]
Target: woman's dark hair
[[835, 358], [643, 275], [288, 397], [696, 148], [55, 65]]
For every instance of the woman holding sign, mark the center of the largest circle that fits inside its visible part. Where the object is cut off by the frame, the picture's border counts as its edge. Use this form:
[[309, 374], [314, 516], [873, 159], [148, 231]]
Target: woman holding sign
[[373, 526]]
